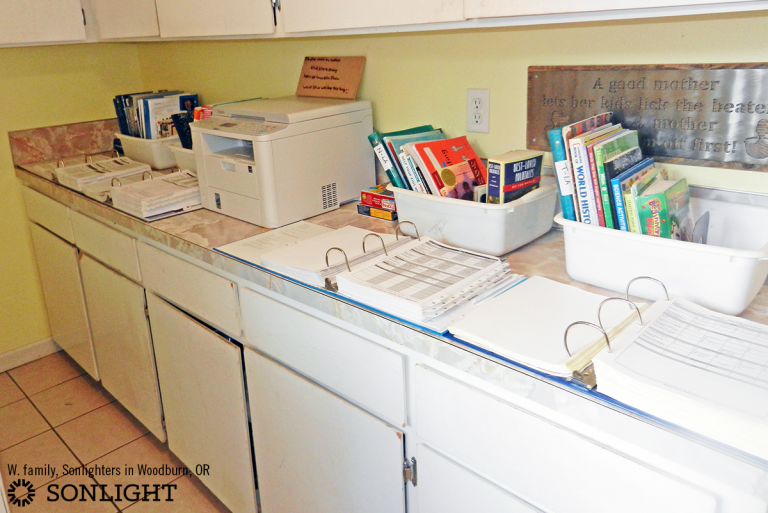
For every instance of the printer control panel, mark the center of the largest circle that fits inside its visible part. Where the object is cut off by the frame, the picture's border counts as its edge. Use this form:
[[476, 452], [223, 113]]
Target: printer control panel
[[238, 126]]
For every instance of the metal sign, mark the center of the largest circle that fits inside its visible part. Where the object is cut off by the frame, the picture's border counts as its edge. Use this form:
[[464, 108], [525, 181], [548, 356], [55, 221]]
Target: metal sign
[[715, 115]]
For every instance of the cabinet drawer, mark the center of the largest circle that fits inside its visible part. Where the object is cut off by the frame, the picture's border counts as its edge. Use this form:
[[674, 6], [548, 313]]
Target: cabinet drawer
[[540, 461], [345, 362], [210, 297], [113, 248], [48, 213]]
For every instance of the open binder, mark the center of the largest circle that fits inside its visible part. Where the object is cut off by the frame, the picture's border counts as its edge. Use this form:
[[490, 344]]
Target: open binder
[[702, 370]]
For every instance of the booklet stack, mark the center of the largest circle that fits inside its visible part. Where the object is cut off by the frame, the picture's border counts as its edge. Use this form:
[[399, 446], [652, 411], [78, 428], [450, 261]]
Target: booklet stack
[[160, 197], [78, 176]]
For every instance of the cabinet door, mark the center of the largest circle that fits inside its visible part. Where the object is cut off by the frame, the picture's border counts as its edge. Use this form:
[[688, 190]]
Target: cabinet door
[[201, 376], [486, 9], [41, 21], [190, 18], [123, 343], [317, 453], [116, 19], [311, 15], [60, 279], [444, 486]]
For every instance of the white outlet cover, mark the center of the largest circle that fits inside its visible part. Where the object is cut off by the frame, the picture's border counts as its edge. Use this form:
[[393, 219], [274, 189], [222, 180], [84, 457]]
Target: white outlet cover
[[478, 110]]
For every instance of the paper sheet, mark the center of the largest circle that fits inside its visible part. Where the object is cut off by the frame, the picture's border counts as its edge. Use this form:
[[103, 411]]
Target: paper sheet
[[718, 358], [251, 249]]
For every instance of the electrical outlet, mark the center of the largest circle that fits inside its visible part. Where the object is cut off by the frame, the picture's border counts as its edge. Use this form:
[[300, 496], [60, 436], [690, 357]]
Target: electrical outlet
[[478, 110]]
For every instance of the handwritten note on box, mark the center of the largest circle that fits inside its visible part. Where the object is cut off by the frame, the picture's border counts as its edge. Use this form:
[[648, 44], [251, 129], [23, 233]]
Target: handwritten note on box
[[331, 77]]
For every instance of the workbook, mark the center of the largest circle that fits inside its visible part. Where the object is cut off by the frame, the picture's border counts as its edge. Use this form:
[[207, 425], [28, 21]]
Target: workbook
[[159, 197], [426, 282], [78, 176]]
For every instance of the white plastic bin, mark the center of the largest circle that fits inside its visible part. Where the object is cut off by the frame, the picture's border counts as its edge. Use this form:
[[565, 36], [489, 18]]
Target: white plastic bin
[[724, 275], [492, 229], [155, 152], [185, 158]]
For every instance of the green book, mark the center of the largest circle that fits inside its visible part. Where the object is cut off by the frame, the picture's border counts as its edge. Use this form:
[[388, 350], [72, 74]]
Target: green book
[[387, 160], [607, 150], [664, 210]]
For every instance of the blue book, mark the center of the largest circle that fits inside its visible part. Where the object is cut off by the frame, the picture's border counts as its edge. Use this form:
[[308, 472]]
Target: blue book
[[563, 173], [387, 160], [621, 184]]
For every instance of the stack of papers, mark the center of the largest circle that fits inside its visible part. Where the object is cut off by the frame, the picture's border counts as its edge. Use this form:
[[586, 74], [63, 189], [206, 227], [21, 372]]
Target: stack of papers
[[153, 199], [250, 249], [426, 282], [78, 176], [100, 190], [305, 260]]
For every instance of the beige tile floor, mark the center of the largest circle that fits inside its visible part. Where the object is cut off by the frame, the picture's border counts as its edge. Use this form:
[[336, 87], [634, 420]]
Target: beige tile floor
[[52, 413]]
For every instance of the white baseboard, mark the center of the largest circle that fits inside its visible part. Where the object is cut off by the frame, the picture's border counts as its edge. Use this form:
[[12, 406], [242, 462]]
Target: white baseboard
[[16, 357]]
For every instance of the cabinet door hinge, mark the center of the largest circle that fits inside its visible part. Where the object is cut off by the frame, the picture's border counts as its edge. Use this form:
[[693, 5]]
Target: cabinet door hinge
[[146, 311], [409, 472], [84, 22], [275, 7]]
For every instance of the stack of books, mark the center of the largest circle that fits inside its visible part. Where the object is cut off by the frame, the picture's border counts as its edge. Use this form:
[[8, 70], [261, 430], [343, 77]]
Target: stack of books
[[81, 175], [160, 197], [423, 159], [605, 181], [147, 115]]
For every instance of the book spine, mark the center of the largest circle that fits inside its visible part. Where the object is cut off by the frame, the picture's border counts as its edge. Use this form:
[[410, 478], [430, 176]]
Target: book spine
[[587, 207], [595, 185], [563, 172], [121, 121], [412, 173], [621, 217], [630, 208], [605, 194], [494, 183], [398, 168], [385, 160]]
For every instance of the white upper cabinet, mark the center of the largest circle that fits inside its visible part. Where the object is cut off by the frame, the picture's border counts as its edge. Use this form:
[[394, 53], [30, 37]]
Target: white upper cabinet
[[40, 21], [120, 19], [191, 18], [312, 15], [499, 8]]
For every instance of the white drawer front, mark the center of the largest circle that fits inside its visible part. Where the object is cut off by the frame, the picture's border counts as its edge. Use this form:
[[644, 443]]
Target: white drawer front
[[541, 462], [111, 247], [48, 213], [210, 297], [362, 371]]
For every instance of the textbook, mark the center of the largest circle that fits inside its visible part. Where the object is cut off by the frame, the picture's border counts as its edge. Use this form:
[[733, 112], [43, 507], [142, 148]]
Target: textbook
[[604, 150], [432, 157], [622, 183], [584, 183], [395, 144], [513, 174], [385, 159], [562, 172]]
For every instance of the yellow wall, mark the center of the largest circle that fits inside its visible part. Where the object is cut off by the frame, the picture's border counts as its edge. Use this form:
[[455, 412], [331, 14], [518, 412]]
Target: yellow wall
[[413, 79], [410, 78], [45, 86]]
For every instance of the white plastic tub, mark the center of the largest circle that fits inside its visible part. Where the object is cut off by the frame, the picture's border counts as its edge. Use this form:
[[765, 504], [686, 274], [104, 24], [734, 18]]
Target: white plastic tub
[[492, 229], [155, 152], [724, 275], [184, 158]]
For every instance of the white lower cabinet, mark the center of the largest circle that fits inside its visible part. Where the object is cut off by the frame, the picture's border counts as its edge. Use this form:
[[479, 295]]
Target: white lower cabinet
[[315, 452], [444, 486], [123, 343], [201, 377], [57, 265]]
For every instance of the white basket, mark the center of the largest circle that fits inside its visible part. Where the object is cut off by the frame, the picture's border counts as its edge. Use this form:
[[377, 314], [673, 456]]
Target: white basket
[[155, 152], [724, 275], [185, 158], [492, 229]]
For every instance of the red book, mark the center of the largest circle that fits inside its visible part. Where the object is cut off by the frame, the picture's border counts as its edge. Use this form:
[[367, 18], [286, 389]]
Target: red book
[[434, 156], [596, 185]]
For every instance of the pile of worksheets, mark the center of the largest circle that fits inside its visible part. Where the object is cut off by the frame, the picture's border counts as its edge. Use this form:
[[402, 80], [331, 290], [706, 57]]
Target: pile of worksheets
[[78, 176], [152, 199]]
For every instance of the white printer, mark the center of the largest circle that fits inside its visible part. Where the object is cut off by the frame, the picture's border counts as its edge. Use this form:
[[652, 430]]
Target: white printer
[[277, 161]]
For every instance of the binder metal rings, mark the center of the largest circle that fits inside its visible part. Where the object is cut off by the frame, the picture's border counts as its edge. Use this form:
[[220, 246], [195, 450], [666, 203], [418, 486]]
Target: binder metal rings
[[601, 330], [144, 175], [60, 163], [647, 278], [630, 303], [384, 246], [342, 252], [112, 183], [115, 154], [397, 230], [88, 159]]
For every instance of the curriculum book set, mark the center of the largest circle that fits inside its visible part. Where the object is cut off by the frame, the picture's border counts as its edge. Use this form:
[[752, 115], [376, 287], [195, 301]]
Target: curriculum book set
[[603, 177], [148, 115]]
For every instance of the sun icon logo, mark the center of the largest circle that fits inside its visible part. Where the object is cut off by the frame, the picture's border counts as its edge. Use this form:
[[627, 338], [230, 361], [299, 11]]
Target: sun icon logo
[[21, 492]]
